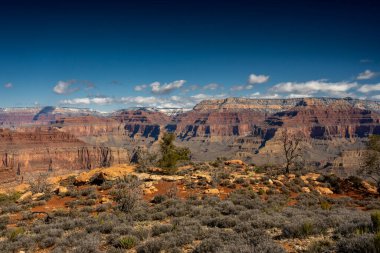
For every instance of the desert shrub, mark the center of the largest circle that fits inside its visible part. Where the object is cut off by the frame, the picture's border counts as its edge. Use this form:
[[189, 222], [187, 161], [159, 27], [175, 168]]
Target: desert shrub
[[47, 242], [239, 180], [320, 246], [356, 181], [40, 184], [9, 198], [161, 229], [209, 245], [375, 218], [325, 205], [151, 246], [347, 223], [4, 219], [158, 216], [126, 242], [141, 233], [376, 241], [127, 193], [159, 199], [301, 228], [87, 191], [103, 207], [332, 180], [14, 233], [358, 243], [11, 208], [220, 221]]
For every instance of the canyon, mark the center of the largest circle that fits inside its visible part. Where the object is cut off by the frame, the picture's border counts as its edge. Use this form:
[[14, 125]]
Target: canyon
[[62, 140]]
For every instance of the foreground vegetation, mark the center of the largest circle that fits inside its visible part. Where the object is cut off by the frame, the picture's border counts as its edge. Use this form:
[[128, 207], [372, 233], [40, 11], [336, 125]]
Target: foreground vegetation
[[257, 212]]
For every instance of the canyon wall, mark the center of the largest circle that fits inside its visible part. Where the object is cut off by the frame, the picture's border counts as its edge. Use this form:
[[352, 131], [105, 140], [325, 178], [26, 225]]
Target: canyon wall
[[58, 140]]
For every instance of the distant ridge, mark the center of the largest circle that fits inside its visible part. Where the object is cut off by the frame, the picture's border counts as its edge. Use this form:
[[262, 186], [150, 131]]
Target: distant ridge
[[281, 104]]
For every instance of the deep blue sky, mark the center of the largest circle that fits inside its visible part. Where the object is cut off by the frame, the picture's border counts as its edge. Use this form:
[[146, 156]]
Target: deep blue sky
[[99, 51]]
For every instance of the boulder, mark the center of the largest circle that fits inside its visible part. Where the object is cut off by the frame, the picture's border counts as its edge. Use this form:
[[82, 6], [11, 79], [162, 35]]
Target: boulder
[[212, 191], [150, 190], [172, 178], [369, 188], [270, 181], [25, 196], [37, 196], [278, 183], [310, 176], [61, 190], [21, 188], [234, 162], [200, 175], [104, 200], [305, 189], [111, 173], [323, 190]]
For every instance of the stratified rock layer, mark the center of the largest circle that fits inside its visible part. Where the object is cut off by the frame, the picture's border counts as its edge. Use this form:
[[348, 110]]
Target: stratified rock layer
[[64, 139]]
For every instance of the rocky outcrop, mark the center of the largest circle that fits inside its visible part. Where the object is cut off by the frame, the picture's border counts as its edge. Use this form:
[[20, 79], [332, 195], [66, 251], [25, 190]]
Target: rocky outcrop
[[27, 152], [57, 139]]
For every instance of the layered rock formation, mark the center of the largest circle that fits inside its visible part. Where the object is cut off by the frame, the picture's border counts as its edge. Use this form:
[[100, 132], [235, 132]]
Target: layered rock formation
[[58, 139], [29, 151]]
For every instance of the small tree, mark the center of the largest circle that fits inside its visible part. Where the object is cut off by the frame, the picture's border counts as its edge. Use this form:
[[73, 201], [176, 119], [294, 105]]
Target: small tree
[[291, 148], [170, 154], [371, 161]]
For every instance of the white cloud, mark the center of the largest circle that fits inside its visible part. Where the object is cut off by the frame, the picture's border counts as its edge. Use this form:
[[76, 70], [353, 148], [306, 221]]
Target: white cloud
[[312, 87], [140, 87], [241, 87], [211, 86], [377, 97], [298, 95], [252, 79], [237, 87], [368, 74], [8, 85], [157, 88], [264, 96], [64, 87], [369, 88], [140, 101]]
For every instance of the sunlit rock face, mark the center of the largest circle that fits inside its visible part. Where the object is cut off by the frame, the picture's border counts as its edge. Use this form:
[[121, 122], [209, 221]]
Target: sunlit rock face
[[34, 140]]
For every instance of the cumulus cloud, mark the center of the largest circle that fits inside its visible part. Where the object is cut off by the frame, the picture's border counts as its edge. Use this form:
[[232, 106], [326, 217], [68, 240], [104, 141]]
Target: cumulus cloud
[[141, 101], [264, 96], [376, 97], [312, 87], [253, 79], [241, 87], [8, 85], [369, 88], [166, 88], [140, 87], [298, 95], [368, 74], [65, 87], [211, 86]]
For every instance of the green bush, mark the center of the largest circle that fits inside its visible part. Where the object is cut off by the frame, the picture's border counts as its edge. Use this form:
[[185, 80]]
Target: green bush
[[14, 233], [170, 154], [375, 218], [127, 242]]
